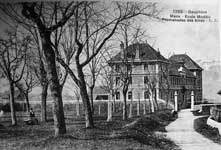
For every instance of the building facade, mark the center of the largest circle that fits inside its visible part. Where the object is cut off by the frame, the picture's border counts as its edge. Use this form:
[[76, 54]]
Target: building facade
[[153, 76]]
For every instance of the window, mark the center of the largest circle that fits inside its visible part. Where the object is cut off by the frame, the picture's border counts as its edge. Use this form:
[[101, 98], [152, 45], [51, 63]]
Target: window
[[130, 95], [118, 95], [152, 68], [145, 79], [101, 97], [176, 81], [163, 68], [130, 80], [146, 95], [172, 95], [171, 80], [129, 68], [117, 80], [145, 66], [117, 68]]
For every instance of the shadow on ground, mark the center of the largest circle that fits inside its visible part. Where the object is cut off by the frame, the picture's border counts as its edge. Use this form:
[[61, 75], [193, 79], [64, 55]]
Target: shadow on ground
[[145, 132], [201, 127]]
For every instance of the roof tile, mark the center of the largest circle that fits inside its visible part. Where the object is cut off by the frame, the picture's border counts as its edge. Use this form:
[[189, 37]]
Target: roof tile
[[146, 52]]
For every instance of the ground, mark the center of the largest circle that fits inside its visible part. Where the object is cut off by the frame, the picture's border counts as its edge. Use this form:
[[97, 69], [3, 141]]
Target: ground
[[146, 132], [182, 132]]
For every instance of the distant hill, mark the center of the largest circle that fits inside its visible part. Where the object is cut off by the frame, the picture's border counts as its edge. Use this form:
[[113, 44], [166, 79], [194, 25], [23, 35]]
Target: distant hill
[[211, 79]]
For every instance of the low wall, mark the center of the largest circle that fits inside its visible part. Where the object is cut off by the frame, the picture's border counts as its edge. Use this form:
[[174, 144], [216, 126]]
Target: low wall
[[211, 122]]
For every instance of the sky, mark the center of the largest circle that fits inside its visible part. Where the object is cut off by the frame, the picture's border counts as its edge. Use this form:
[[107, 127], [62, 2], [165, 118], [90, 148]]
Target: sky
[[198, 40]]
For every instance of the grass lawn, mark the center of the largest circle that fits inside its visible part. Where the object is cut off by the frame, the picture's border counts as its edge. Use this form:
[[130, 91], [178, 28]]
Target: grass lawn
[[135, 134], [211, 133]]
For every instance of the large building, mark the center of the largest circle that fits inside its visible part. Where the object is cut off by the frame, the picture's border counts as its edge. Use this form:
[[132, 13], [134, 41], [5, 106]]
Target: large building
[[151, 75]]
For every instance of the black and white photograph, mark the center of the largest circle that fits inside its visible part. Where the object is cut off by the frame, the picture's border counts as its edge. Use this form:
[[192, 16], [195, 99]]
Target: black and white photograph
[[110, 75]]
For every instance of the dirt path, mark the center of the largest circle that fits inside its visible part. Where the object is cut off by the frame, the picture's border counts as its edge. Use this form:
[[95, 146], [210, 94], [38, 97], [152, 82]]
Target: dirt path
[[183, 134]]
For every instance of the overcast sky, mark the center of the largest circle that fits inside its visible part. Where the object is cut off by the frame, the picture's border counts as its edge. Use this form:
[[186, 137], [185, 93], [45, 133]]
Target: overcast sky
[[198, 40]]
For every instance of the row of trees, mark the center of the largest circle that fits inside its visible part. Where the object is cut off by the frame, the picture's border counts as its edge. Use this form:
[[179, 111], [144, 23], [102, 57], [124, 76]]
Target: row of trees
[[62, 39]]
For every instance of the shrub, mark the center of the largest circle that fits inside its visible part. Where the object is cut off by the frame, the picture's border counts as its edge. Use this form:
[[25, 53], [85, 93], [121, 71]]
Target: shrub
[[18, 107], [201, 127]]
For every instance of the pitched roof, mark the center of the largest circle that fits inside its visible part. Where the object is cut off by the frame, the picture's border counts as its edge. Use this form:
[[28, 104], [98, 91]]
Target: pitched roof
[[146, 53], [174, 66], [188, 62]]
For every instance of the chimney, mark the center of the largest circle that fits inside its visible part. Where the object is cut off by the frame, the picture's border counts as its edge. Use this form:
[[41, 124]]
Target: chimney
[[122, 50], [137, 55], [158, 52]]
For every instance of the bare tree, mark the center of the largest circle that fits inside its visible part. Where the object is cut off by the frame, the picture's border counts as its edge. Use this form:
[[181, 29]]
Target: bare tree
[[90, 19], [40, 72], [107, 78], [150, 81], [94, 72], [45, 17], [28, 82], [124, 77], [12, 63], [164, 82], [108, 85], [129, 32], [76, 94]]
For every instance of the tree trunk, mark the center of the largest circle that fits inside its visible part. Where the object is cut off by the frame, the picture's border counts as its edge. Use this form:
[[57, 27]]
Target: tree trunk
[[125, 106], [167, 99], [152, 105], [12, 104], [113, 97], [44, 94], [138, 107], [78, 108], [99, 109], [87, 108], [27, 102], [92, 98], [131, 109], [144, 107], [84, 95], [155, 100], [58, 113], [109, 111]]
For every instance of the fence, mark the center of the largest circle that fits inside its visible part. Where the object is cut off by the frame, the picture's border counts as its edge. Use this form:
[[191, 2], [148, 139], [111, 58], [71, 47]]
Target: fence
[[73, 109]]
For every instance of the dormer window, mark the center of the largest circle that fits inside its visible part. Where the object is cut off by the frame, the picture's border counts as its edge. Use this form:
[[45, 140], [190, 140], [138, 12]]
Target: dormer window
[[181, 71], [194, 73]]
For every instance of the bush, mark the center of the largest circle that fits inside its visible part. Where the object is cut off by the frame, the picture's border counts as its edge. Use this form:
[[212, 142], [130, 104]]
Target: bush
[[142, 130], [18, 107], [201, 127]]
